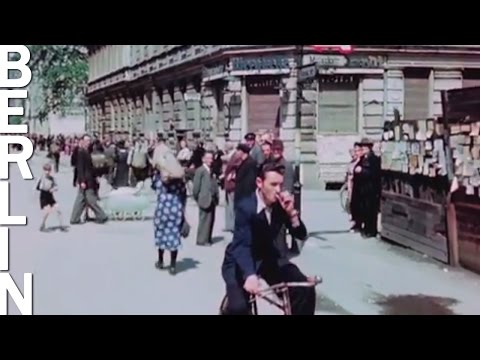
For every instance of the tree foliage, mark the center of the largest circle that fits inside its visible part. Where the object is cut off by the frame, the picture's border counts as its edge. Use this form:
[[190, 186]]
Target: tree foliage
[[61, 72]]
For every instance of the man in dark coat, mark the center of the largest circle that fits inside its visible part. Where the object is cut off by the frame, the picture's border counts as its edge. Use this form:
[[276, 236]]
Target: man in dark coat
[[367, 189], [246, 174], [253, 253], [87, 186]]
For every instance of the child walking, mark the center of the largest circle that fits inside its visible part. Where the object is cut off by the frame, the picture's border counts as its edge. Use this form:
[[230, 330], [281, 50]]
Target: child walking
[[47, 186]]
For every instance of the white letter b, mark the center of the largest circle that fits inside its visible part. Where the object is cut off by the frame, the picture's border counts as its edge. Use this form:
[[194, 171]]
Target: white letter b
[[20, 65]]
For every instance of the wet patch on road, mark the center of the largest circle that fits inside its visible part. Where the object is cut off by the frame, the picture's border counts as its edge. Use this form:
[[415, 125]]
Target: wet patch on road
[[327, 305], [415, 305]]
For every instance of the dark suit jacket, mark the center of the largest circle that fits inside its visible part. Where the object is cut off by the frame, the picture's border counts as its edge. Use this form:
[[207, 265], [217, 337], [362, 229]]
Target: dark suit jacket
[[245, 179], [255, 241], [85, 170]]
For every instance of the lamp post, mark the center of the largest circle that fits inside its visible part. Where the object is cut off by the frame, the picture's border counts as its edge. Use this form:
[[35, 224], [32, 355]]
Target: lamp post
[[297, 186]]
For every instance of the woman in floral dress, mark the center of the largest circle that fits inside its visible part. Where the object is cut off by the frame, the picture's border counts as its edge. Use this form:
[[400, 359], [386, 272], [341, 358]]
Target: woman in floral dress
[[168, 218]]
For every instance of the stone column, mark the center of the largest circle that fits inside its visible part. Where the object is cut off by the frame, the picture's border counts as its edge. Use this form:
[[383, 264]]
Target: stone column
[[147, 111], [157, 110], [118, 116], [194, 107], [180, 108], [122, 113], [98, 117], [109, 115], [168, 109], [244, 111], [140, 116], [131, 115]]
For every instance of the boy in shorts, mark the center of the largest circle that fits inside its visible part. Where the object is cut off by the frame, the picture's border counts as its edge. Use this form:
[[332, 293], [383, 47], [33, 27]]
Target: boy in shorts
[[47, 187]]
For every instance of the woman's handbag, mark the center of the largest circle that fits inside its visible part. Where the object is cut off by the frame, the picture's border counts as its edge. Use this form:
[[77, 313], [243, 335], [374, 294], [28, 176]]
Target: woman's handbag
[[185, 230]]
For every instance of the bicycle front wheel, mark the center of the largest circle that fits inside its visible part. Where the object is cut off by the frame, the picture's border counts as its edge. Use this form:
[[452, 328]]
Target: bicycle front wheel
[[344, 201], [224, 306]]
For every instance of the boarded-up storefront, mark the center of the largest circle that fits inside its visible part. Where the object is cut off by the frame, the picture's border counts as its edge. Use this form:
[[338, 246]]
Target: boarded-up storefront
[[462, 114], [337, 125], [338, 105], [417, 93], [264, 104]]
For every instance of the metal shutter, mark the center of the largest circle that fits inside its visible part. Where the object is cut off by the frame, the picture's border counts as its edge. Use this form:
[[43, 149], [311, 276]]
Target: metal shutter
[[264, 105], [338, 107], [417, 96]]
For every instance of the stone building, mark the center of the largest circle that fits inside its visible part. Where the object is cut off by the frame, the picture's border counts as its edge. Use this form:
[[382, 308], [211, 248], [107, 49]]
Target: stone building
[[218, 92]]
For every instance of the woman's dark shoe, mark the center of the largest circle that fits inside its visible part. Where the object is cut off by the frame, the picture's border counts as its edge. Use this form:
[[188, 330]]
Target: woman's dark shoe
[[172, 270], [160, 265]]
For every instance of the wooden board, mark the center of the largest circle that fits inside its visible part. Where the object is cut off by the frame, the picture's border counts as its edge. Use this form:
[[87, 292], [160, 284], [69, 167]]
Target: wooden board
[[467, 209], [462, 106], [416, 224]]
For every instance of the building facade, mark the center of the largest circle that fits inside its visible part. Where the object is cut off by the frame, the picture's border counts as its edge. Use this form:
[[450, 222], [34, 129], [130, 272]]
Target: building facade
[[219, 92]]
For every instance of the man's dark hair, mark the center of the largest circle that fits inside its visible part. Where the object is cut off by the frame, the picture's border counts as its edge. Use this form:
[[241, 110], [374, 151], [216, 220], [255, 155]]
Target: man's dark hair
[[250, 137], [270, 166], [267, 143], [244, 148], [209, 152]]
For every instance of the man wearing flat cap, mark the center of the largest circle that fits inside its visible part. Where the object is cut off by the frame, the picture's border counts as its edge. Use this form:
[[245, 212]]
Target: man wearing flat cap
[[367, 189]]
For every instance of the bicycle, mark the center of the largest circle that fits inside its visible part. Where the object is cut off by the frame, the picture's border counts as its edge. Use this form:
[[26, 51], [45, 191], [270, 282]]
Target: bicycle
[[344, 198], [280, 291]]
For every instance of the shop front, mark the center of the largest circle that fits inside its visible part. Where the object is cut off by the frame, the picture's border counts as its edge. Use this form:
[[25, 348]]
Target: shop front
[[349, 104], [245, 94]]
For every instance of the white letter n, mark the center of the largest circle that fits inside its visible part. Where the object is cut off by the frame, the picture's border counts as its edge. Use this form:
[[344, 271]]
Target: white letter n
[[24, 302]]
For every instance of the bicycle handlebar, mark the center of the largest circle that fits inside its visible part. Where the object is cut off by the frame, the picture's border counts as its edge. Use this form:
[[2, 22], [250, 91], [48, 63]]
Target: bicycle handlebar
[[313, 282]]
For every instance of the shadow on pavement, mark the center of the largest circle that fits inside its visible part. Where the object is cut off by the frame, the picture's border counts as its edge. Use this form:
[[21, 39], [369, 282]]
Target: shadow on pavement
[[327, 305], [218, 239], [319, 234], [187, 264]]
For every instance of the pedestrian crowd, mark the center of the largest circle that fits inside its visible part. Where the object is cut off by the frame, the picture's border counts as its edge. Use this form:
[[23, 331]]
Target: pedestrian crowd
[[176, 169]]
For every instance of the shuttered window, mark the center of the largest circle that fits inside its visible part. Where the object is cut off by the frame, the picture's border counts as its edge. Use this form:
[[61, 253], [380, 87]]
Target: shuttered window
[[264, 104], [338, 105], [417, 90], [471, 78]]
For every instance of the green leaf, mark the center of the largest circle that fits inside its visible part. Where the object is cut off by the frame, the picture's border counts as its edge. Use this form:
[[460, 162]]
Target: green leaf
[[62, 74]]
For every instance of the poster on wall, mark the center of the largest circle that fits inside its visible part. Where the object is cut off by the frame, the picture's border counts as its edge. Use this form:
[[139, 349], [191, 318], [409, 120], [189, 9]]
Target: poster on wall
[[333, 149]]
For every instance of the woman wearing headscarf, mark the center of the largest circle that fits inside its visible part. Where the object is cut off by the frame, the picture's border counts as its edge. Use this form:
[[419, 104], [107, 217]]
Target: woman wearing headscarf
[[169, 185]]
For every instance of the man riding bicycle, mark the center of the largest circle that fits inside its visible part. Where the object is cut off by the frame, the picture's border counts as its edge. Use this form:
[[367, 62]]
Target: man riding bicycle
[[256, 251]]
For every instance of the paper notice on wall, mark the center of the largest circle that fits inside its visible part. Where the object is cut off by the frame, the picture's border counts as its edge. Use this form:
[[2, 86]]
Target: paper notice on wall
[[335, 149]]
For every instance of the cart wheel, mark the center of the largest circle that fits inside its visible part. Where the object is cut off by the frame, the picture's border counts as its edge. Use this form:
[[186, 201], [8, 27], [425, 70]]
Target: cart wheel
[[121, 216], [224, 306], [138, 216]]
